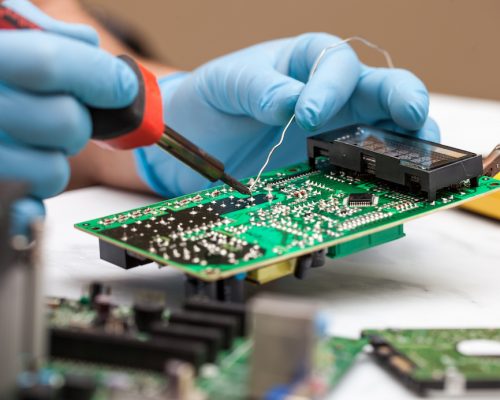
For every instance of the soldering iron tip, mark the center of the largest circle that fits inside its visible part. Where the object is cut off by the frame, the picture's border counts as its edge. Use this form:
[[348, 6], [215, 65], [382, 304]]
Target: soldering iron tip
[[235, 184]]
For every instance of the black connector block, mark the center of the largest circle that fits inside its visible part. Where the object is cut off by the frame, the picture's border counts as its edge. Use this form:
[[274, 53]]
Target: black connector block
[[420, 166], [147, 314], [124, 350], [120, 257], [228, 325], [212, 338]]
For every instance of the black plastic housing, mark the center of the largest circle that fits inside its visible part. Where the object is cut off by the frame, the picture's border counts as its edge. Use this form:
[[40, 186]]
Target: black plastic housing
[[120, 257], [126, 350], [419, 165]]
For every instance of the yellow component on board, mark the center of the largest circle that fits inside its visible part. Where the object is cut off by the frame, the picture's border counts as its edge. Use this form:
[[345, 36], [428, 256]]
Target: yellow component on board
[[488, 206], [272, 272]]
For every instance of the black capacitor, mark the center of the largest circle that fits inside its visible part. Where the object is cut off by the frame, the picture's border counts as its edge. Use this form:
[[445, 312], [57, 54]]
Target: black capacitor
[[146, 314], [102, 305], [231, 290], [95, 289], [307, 261], [304, 263], [319, 258]]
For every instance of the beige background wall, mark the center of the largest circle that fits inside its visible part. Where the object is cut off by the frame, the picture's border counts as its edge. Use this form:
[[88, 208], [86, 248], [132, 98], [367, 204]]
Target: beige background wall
[[453, 45]]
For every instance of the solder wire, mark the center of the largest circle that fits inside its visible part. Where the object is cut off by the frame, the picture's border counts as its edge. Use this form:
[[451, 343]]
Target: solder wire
[[367, 43]]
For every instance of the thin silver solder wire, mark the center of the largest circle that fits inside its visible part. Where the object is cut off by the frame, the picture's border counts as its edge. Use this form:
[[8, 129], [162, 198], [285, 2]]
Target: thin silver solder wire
[[367, 43]]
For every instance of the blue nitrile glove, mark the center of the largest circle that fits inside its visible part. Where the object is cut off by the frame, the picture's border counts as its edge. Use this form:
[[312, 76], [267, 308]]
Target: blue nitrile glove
[[235, 106], [46, 79]]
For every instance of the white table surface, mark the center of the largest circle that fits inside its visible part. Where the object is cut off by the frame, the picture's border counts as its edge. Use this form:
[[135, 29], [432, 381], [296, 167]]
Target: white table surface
[[445, 273]]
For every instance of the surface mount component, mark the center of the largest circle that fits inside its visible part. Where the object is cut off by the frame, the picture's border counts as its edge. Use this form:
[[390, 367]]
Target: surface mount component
[[361, 200], [419, 165], [450, 360]]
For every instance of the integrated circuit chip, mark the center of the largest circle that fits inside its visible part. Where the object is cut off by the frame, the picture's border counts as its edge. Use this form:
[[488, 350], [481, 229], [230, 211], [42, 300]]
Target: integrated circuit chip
[[362, 200]]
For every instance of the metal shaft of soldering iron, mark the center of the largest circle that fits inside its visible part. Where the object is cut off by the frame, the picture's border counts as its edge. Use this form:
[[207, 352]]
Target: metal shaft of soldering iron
[[197, 159]]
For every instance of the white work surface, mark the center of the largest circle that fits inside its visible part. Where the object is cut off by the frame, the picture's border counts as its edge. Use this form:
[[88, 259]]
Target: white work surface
[[445, 273]]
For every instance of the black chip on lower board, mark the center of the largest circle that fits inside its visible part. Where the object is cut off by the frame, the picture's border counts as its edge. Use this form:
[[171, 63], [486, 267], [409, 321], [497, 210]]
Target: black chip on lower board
[[124, 350]]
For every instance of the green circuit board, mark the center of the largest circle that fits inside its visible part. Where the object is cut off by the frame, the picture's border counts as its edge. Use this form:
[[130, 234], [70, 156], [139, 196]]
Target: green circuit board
[[232, 381], [225, 379], [426, 359], [218, 233]]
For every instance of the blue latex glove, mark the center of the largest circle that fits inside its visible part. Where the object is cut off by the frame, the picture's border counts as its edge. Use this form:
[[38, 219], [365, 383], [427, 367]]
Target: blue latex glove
[[46, 79], [234, 107]]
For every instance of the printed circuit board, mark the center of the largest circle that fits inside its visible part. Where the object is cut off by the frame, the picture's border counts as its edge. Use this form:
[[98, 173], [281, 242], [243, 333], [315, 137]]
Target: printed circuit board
[[218, 233], [432, 359], [114, 332]]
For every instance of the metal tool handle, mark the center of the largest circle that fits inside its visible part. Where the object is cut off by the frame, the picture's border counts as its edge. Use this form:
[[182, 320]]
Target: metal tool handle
[[190, 154]]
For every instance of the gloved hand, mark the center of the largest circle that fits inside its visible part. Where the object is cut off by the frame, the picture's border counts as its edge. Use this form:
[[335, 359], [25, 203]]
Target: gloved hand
[[235, 106], [46, 79]]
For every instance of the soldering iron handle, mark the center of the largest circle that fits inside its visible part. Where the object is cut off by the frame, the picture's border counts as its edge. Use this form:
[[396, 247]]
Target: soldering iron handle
[[139, 124]]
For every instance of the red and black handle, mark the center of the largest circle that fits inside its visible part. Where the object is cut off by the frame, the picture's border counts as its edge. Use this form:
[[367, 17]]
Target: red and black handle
[[139, 124], [11, 20]]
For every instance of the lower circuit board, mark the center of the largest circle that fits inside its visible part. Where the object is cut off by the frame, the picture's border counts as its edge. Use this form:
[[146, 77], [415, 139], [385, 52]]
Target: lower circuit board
[[433, 359], [232, 381], [218, 233], [103, 377]]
